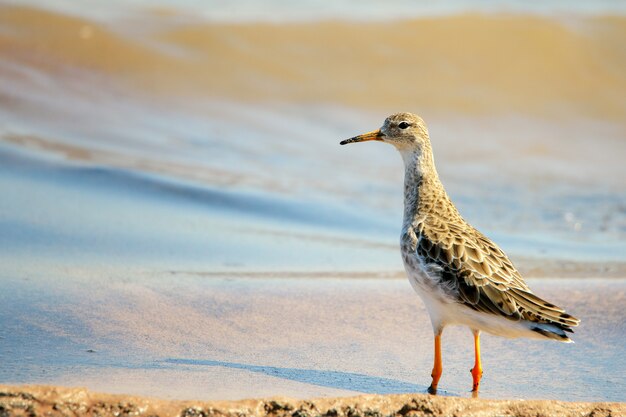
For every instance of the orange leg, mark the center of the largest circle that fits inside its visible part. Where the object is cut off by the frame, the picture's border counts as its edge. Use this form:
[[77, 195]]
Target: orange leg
[[477, 370], [438, 367]]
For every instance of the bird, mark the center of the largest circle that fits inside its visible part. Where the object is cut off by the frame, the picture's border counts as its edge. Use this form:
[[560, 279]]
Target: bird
[[462, 276]]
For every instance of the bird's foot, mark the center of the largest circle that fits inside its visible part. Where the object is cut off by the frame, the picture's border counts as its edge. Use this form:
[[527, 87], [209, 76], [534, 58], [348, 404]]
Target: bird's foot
[[477, 374], [432, 390]]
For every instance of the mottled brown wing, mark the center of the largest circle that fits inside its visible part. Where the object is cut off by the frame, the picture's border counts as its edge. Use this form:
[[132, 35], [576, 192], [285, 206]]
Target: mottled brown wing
[[483, 276]]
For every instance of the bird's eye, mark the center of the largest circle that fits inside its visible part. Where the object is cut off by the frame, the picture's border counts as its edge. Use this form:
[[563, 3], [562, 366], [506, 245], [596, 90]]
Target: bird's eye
[[403, 125]]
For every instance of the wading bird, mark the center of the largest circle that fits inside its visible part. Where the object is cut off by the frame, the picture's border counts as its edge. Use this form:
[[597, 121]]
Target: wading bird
[[462, 277]]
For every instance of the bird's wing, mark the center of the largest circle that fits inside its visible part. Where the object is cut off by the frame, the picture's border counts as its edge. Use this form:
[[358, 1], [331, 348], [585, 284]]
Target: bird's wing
[[482, 275]]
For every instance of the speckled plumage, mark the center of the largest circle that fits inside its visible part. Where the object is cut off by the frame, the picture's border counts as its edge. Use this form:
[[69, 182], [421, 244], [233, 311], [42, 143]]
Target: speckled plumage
[[461, 275]]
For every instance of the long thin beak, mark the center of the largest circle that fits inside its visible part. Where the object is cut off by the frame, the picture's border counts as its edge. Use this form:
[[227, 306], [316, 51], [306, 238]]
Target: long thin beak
[[373, 135]]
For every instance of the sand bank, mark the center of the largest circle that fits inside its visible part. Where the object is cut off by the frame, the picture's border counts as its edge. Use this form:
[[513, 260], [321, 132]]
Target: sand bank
[[57, 401]]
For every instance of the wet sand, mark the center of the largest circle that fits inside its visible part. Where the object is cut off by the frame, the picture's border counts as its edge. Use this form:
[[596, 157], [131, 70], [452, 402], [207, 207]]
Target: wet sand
[[57, 401], [134, 332]]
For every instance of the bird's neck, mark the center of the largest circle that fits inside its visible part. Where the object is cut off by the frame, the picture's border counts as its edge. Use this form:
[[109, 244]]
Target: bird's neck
[[421, 184]]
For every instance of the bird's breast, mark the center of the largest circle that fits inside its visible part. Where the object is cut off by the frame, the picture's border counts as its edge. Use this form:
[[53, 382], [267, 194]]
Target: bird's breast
[[409, 240], [423, 275]]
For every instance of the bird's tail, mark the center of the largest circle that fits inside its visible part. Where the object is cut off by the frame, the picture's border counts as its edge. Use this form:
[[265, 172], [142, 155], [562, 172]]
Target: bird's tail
[[554, 331], [543, 317]]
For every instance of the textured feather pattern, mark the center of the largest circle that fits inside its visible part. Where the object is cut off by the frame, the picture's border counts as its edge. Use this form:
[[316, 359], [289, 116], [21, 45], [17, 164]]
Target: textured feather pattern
[[467, 267], [476, 272]]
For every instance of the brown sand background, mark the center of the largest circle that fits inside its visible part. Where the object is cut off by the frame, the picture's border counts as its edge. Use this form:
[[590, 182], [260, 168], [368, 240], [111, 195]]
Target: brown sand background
[[471, 64]]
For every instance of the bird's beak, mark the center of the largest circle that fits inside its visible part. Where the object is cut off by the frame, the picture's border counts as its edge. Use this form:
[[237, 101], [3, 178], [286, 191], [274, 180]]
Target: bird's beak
[[373, 135]]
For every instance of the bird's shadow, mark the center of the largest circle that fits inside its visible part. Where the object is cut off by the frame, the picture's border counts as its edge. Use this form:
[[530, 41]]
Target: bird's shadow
[[334, 379]]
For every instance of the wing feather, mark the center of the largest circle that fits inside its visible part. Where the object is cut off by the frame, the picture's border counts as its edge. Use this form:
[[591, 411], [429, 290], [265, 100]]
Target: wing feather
[[483, 276]]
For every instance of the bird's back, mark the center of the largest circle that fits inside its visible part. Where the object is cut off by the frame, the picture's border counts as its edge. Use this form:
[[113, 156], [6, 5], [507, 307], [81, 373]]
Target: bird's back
[[458, 264]]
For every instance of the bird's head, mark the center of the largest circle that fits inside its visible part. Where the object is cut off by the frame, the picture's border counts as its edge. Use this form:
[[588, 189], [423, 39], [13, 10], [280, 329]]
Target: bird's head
[[406, 131]]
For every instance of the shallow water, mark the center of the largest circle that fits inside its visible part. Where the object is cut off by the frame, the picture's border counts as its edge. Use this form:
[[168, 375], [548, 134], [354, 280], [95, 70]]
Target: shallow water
[[239, 110], [279, 11], [154, 158]]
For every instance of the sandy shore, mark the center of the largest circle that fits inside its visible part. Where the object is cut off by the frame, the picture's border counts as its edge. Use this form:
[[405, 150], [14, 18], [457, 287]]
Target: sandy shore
[[57, 401]]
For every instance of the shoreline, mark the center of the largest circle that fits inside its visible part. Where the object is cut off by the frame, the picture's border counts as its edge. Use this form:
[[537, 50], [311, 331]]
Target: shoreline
[[61, 401]]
